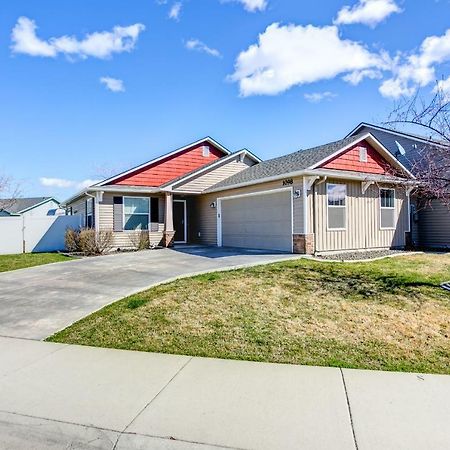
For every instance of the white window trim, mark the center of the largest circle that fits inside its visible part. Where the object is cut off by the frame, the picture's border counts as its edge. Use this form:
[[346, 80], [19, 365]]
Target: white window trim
[[137, 214], [335, 206], [387, 207], [90, 214]]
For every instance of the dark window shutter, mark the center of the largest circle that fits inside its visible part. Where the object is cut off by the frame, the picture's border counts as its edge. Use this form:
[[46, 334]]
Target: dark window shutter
[[154, 213], [118, 213]]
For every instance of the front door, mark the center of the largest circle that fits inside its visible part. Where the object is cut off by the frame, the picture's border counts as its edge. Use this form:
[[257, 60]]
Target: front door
[[179, 221]]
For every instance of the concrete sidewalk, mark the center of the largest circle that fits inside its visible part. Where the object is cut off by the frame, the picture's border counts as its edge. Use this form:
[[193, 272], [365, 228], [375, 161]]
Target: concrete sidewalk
[[61, 396]]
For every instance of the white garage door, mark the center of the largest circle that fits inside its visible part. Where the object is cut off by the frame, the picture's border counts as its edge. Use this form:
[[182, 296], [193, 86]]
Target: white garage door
[[262, 221]]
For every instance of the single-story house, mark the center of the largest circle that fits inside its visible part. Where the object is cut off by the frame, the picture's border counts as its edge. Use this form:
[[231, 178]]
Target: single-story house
[[346, 195], [430, 219], [29, 207]]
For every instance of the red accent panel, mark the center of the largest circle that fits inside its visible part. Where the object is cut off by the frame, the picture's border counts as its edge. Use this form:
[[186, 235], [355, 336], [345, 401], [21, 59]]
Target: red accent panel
[[349, 160], [171, 167]]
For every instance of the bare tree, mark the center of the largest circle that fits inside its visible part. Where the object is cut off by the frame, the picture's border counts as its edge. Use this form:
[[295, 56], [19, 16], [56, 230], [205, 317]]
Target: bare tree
[[431, 162], [9, 192]]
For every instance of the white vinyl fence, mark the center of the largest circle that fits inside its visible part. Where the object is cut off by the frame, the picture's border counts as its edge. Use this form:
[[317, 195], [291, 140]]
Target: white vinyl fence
[[19, 234]]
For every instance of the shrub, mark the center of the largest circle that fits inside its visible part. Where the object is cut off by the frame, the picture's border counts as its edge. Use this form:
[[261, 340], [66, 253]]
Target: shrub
[[72, 240], [88, 242], [140, 240]]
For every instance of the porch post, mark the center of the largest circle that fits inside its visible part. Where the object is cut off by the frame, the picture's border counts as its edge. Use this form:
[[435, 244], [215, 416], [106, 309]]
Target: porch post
[[169, 232], [97, 199]]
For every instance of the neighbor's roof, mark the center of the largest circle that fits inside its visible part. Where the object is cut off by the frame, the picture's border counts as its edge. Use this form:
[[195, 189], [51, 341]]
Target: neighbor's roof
[[413, 144], [302, 159], [19, 205]]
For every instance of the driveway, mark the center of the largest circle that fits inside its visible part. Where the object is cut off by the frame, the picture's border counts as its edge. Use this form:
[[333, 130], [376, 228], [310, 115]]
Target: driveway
[[37, 302]]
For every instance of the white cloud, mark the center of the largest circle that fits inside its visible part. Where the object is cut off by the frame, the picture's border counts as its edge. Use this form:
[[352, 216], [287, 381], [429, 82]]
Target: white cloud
[[317, 97], [62, 183], [418, 69], [289, 55], [197, 45], [251, 5], [102, 44], [357, 76], [367, 12], [175, 11], [113, 84]]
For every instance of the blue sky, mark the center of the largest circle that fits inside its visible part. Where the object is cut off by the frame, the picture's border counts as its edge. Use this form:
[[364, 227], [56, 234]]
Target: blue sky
[[270, 75]]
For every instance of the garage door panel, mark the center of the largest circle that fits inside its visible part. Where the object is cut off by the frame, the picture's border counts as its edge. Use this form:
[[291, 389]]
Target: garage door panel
[[261, 221]]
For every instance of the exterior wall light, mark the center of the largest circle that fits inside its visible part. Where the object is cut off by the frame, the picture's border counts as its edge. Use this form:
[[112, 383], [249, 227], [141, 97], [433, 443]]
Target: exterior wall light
[[297, 193], [212, 205]]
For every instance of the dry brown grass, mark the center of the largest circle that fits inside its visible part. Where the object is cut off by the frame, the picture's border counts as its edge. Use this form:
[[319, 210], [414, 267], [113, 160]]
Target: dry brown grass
[[389, 314]]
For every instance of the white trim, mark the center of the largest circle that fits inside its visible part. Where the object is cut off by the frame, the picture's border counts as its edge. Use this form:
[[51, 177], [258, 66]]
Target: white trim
[[408, 204], [138, 214], [185, 221], [174, 152], [336, 206], [307, 185], [173, 184], [397, 133], [387, 207], [253, 194], [365, 185], [382, 150]]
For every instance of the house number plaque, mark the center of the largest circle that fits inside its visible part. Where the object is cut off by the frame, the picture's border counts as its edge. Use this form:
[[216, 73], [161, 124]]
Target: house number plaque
[[288, 182]]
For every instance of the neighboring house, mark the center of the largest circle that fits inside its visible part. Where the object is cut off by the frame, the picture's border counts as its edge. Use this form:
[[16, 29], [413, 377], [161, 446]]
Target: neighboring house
[[338, 196], [430, 220], [29, 207]]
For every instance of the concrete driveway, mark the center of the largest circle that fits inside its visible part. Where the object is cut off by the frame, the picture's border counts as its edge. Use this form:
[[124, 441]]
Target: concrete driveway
[[37, 302]]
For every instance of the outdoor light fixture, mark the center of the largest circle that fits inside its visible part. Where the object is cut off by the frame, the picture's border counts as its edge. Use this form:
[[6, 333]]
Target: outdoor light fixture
[[213, 205], [297, 193]]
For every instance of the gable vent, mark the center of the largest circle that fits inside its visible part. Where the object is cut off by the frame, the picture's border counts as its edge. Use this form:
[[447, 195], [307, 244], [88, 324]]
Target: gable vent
[[362, 154], [205, 151]]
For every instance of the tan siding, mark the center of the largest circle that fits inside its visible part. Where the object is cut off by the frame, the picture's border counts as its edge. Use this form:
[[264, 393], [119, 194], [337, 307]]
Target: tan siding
[[215, 175], [362, 220], [123, 239], [434, 226], [207, 223]]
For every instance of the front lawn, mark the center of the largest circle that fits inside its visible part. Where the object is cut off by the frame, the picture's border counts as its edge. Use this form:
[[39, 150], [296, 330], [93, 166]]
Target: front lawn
[[23, 260], [389, 314]]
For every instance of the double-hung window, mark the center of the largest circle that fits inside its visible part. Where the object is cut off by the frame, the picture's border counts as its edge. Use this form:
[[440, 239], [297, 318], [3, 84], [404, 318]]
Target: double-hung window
[[336, 200], [387, 208], [136, 213]]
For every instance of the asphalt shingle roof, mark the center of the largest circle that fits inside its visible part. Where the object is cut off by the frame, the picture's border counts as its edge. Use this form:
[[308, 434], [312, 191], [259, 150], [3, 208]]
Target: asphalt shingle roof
[[14, 206], [299, 160]]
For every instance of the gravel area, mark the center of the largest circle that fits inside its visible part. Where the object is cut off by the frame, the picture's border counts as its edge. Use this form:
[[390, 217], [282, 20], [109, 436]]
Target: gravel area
[[356, 256]]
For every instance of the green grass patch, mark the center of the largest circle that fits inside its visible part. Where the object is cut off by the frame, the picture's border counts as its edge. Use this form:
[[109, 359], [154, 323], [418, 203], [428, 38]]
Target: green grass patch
[[24, 260], [388, 314]]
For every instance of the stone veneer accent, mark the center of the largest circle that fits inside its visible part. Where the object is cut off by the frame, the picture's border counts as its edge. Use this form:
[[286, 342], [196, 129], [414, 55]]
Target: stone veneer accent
[[168, 238], [304, 243]]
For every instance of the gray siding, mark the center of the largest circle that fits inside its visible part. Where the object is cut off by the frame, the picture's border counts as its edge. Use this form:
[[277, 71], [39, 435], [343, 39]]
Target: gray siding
[[434, 225]]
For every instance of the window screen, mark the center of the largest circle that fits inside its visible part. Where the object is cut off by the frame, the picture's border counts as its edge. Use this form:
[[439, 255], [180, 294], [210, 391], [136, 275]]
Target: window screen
[[336, 199], [387, 204], [136, 212]]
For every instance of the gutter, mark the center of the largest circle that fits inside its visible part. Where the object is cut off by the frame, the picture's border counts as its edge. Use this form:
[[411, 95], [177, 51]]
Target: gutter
[[313, 172]]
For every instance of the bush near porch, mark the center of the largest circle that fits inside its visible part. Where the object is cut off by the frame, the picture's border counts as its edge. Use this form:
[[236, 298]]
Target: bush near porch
[[389, 314]]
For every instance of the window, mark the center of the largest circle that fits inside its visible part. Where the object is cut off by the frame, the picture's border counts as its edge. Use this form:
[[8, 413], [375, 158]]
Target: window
[[336, 198], [387, 206], [136, 212], [89, 213], [362, 154]]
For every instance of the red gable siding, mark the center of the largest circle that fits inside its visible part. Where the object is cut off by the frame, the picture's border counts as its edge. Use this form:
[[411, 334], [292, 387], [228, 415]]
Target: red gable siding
[[171, 167], [349, 160]]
